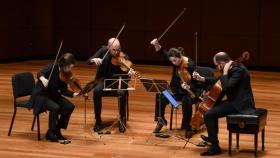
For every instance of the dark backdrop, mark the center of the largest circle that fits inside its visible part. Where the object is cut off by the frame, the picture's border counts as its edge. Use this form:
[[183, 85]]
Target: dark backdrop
[[32, 29]]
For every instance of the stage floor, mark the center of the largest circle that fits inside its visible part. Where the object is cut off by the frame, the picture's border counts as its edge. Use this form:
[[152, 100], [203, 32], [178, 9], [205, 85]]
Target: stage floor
[[138, 140]]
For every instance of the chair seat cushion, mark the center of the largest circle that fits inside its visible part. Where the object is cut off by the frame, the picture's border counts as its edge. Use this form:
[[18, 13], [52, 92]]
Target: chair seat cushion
[[24, 104], [247, 123]]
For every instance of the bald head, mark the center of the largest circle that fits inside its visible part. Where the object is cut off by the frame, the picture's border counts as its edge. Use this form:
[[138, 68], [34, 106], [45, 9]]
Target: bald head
[[114, 43], [115, 46], [221, 57]]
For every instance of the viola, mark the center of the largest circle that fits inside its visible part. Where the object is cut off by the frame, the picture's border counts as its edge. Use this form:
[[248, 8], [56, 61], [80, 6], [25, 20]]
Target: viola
[[73, 82], [125, 64], [185, 76]]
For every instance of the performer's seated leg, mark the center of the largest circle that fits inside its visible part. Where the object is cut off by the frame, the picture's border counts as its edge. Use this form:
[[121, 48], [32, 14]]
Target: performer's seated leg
[[53, 107], [161, 121], [187, 115], [97, 98], [211, 121], [66, 109], [122, 112]]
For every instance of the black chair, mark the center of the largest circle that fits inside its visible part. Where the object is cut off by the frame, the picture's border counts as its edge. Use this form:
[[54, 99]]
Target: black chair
[[205, 72], [23, 84], [247, 124]]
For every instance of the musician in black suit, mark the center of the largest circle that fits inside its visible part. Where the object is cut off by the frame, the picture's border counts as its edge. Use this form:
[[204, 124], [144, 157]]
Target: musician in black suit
[[235, 81], [176, 57], [48, 95], [107, 70]]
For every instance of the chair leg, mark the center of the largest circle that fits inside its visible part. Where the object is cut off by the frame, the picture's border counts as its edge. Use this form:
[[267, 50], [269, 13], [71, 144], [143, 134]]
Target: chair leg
[[256, 144], [33, 123], [38, 127], [237, 142], [171, 118], [157, 106], [127, 109], [263, 134], [229, 143], [12, 122]]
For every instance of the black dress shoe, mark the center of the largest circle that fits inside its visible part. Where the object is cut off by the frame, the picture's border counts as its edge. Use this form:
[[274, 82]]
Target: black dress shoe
[[121, 128], [205, 138], [205, 141], [122, 125], [60, 136], [97, 127], [159, 126], [51, 137], [213, 150]]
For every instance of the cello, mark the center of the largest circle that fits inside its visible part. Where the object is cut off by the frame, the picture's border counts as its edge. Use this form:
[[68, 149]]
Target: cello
[[210, 99]]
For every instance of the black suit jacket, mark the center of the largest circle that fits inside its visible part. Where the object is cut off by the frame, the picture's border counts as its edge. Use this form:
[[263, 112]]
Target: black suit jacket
[[175, 83], [106, 69], [237, 87], [55, 89]]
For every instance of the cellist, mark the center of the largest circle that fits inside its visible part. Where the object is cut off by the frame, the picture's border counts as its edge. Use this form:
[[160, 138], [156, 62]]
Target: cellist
[[176, 57], [235, 82]]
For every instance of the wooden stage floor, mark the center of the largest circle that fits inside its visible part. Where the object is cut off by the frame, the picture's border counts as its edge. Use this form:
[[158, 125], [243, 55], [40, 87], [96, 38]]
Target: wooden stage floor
[[138, 140]]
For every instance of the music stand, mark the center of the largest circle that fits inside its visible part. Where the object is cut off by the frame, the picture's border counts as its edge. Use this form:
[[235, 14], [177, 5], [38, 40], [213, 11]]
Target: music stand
[[119, 83], [162, 87], [89, 86], [156, 86]]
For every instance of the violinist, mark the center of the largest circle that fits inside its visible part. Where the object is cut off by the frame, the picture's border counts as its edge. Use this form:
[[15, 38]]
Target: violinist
[[106, 70], [235, 82], [48, 95], [175, 55]]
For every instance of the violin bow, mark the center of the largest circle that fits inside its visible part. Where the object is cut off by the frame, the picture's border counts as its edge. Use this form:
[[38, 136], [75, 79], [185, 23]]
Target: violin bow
[[173, 22], [196, 46], [58, 52], [113, 42]]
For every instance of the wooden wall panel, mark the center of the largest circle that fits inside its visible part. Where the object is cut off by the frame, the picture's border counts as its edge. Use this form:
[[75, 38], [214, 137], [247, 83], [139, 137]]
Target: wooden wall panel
[[33, 29], [26, 29], [230, 26], [73, 25], [270, 33]]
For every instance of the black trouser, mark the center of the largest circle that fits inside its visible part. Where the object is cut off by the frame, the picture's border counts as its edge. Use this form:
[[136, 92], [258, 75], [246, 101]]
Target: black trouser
[[97, 97], [211, 119], [62, 107], [186, 108]]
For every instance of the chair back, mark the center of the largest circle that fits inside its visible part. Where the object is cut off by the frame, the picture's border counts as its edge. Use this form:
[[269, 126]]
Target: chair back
[[23, 84]]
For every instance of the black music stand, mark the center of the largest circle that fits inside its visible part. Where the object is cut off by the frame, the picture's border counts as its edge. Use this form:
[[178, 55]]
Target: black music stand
[[156, 86], [118, 83], [162, 87], [89, 86]]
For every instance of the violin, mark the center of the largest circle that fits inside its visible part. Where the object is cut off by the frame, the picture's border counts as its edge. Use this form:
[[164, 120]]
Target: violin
[[210, 99], [185, 76], [125, 64], [73, 83]]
